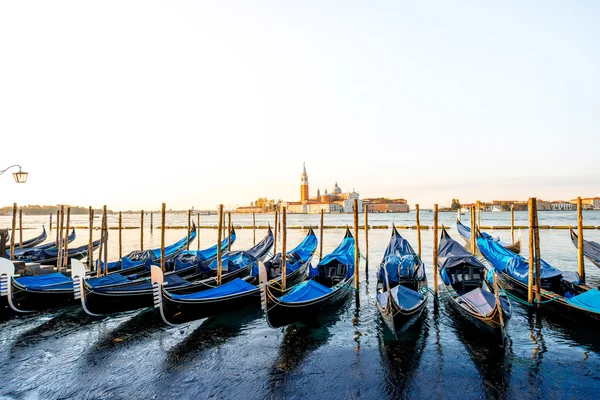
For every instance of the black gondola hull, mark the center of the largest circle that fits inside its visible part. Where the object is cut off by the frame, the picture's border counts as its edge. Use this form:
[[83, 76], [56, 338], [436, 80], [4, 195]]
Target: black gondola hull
[[35, 300], [281, 314], [557, 308], [398, 321]]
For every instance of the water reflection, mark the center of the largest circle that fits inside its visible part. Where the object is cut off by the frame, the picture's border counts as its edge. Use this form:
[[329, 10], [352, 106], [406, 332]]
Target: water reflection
[[400, 358], [137, 326], [213, 332]]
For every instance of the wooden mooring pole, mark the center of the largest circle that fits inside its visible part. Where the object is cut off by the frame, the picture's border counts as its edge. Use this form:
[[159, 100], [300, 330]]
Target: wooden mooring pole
[[435, 250], [321, 236], [198, 233], [228, 231], [105, 238], [253, 229], [418, 231], [580, 259], [142, 230], [50, 222], [66, 257], [283, 248], [275, 233], [512, 223], [220, 230], [478, 213], [121, 234], [538, 272], [20, 228], [189, 229], [366, 235], [473, 232], [356, 248], [13, 232], [530, 210], [163, 211], [61, 236], [101, 247], [151, 222], [57, 228], [90, 256]]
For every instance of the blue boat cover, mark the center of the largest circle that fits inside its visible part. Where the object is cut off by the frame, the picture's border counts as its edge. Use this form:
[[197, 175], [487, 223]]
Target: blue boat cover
[[451, 254], [296, 257], [504, 260], [406, 298], [41, 281], [343, 254], [589, 300], [188, 258], [400, 260], [304, 291], [143, 285], [110, 279], [233, 261], [465, 232], [37, 255], [232, 287]]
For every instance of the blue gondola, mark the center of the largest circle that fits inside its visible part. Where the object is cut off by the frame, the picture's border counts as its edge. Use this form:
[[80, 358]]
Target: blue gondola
[[401, 282], [465, 233]]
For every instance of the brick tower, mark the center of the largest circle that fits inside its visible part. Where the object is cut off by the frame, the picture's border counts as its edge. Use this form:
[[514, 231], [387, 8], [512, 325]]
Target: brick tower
[[304, 184]]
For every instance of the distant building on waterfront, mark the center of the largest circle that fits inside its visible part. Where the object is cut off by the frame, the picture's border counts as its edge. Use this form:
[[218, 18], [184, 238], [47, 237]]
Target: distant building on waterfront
[[334, 202], [562, 206], [384, 205], [588, 203]]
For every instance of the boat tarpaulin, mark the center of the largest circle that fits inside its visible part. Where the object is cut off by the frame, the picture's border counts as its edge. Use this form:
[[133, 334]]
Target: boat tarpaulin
[[589, 300], [111, 279], [305, 291], [451, 254], [406, 298], [343, 254], [41, 281], [232, 287]]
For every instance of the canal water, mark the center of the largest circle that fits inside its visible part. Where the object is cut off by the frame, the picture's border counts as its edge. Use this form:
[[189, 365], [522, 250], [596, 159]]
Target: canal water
[[60, 354]]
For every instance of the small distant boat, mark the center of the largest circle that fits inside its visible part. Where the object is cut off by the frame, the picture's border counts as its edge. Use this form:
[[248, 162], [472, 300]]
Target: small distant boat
[[22, 254], [33, 241], [465, 232], [562, 292], [468, 292], [234, 295], [328, 285], [400, 278], [591, 250]]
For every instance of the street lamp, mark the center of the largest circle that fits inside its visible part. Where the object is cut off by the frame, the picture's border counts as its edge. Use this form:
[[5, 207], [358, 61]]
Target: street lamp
[[20, 177]]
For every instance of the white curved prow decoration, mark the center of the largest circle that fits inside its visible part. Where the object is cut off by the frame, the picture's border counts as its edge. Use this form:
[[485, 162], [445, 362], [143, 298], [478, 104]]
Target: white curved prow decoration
[[157, 278], [78, 275], [263, 279], [7, 274]]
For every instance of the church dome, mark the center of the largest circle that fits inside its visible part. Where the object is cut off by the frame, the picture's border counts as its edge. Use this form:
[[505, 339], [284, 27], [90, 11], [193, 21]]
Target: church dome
[[336, 189]]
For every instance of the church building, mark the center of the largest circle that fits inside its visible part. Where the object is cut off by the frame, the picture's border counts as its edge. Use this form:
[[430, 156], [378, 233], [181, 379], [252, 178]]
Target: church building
[[334, 202]]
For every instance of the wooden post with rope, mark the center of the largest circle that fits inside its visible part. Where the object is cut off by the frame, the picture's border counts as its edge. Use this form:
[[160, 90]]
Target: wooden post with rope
[[283, 248], [418, 231], [219, 261]]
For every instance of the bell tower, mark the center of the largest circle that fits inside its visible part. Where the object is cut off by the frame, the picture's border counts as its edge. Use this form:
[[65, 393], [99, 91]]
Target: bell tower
[[304, 184]]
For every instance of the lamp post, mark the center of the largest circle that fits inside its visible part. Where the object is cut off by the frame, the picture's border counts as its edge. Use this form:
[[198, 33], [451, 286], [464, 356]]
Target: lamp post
[[20, 177]]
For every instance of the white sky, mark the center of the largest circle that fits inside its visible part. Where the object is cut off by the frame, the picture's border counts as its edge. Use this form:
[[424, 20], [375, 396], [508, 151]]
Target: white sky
[[195, 103]]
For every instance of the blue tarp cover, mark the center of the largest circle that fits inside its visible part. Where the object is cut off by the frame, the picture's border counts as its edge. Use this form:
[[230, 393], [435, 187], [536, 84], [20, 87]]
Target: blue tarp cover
[[296, 257], [589, 300], [188, 258], [41, 281], [144, 285], [343, 254], [233, 287], [304, 291], [406, 298], [233, 261], [111, 279], [511, 263], [451, 254]]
